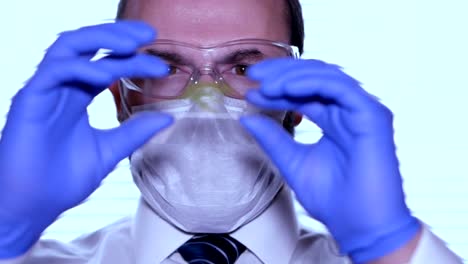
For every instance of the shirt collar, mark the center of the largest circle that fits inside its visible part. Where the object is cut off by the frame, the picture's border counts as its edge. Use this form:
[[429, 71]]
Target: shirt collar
[[272, 236], [154, 238]]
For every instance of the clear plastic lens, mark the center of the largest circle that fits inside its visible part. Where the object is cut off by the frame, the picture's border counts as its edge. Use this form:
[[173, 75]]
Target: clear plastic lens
[[226, 65]]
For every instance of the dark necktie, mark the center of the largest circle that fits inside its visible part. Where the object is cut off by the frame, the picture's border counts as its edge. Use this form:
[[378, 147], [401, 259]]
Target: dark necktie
[[211, 249]]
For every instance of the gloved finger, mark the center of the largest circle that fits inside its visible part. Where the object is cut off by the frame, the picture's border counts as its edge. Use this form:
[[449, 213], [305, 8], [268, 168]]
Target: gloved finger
[[119, 143], [276, 142], [273, 73], [302, 85], [341, 91], [139, 65], [314, 108], [79, 84], [274, 84], [96, 75], [329, 116], [269, 70], [259, 99], [122, 38]]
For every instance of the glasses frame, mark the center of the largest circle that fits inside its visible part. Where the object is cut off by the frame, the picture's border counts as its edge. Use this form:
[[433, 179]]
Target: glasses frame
[[291, 50]]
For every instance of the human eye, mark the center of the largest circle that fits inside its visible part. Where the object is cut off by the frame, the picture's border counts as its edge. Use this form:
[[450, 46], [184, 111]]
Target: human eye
[[240, 69], [175, 69], [176, 64], [172, 69]]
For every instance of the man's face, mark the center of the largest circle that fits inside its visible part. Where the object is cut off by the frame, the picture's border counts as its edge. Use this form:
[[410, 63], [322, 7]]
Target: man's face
[[206, 22]]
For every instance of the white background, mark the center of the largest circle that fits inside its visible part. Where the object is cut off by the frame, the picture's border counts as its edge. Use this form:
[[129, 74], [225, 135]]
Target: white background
[[411, 54]]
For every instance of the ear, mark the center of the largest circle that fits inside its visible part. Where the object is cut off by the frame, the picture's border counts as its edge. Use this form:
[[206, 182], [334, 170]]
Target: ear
[[297, 118], [114, 88]]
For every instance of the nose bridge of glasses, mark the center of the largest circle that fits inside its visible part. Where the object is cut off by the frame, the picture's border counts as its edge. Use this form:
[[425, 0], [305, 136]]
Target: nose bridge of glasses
[[206, 73]]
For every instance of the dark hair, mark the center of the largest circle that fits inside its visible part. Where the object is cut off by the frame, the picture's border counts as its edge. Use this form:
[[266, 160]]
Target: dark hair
[[297, 35]]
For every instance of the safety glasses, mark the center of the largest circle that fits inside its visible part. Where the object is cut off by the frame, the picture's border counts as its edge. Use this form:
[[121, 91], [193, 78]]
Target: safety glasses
[[224, 64]]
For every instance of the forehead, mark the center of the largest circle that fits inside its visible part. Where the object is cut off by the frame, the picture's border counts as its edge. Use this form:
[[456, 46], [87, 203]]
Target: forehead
[[208, 22]]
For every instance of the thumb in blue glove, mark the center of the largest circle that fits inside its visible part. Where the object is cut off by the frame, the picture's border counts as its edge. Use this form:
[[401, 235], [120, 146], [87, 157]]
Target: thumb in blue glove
[[51, 159]]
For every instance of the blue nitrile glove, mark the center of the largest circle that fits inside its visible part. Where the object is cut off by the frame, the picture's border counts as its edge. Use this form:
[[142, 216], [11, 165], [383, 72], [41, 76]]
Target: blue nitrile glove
[[51, 159], [349, 180]]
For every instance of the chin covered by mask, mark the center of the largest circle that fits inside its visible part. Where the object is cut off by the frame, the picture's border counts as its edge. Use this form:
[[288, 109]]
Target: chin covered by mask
[[205, 173]]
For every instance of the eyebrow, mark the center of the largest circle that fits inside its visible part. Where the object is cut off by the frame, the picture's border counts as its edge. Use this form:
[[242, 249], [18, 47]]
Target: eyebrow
[[233, 57], [168, 56], [245, 54]]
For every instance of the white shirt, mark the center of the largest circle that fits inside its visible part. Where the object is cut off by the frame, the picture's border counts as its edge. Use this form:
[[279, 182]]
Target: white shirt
[[273, 238]]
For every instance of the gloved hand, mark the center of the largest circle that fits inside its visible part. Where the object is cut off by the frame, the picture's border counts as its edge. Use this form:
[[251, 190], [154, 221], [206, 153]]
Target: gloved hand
[[349, 180], [51, 159]]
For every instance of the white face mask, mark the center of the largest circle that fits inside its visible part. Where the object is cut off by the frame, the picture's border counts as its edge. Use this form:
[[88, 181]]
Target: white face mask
[[205, 173]]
